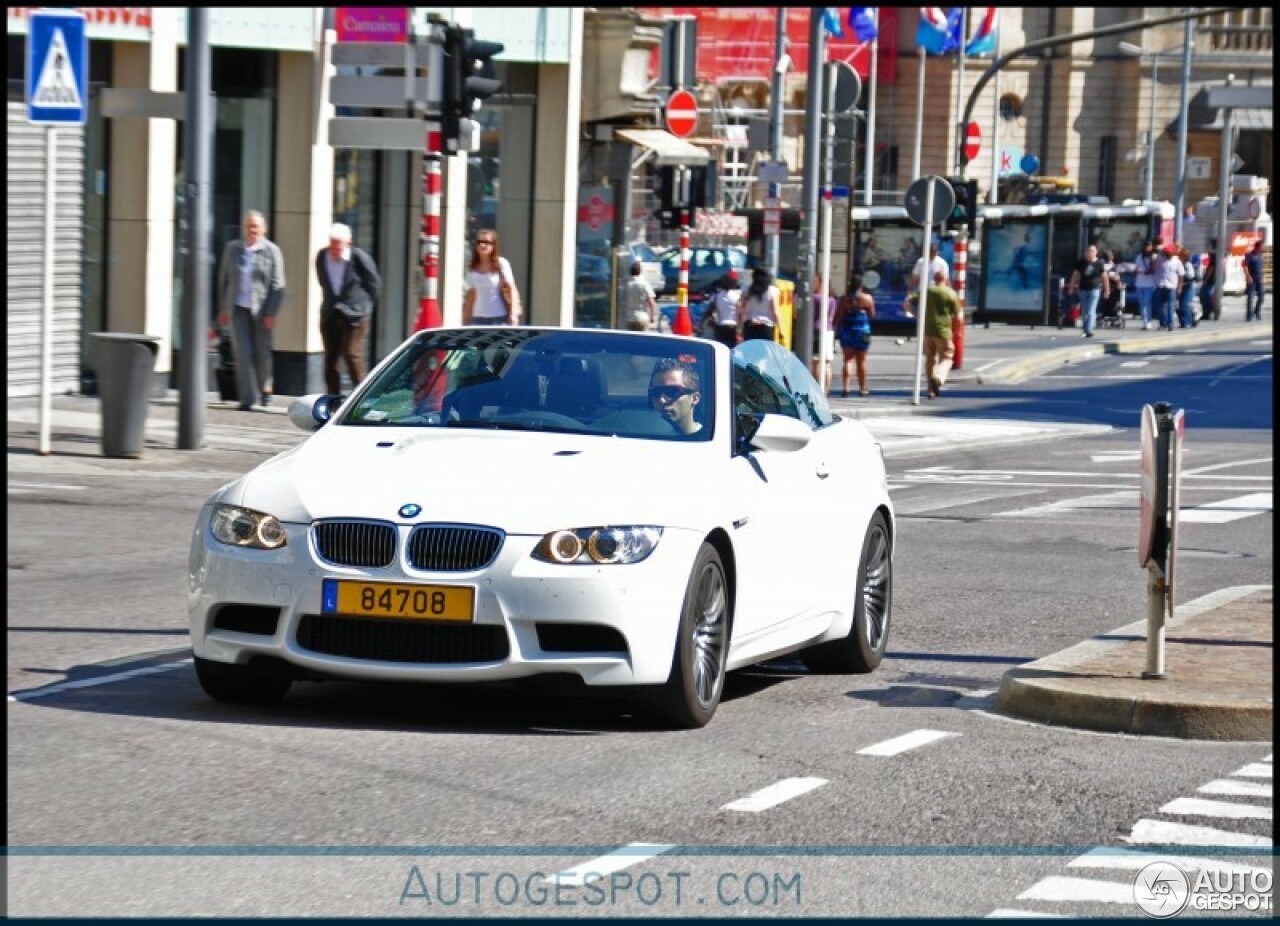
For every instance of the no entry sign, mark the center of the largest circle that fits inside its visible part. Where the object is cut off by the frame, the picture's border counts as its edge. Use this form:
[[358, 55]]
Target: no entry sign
[[682, 113], [972, 140]]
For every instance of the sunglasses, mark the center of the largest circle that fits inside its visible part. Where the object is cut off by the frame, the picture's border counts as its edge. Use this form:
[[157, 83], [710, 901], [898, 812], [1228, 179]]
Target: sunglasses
[[668, 393]]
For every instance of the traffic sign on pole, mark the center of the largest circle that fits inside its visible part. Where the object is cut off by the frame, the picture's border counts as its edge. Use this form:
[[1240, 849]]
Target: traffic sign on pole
[[972, 141], [682, 113], [57, 80]]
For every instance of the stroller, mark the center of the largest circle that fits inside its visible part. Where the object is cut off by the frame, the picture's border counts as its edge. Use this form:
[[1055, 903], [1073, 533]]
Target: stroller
[[1111, 306]]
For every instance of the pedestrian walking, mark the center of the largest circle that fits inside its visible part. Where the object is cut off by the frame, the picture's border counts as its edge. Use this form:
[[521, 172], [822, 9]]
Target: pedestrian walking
[[640, 305], [1113, 303], [250, 290], [936, 264], [1254, 285], [349, 289], [720, 317], [1186, 290], [824, 341], [1208, 280], [1168, 273], [940, 307], [492, 297], [1090, 280], [1144, 282], [758, 309], [853, 327]]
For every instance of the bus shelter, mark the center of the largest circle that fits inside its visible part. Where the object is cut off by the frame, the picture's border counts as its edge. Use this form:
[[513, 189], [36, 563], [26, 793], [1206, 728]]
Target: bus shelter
[[886, 244]]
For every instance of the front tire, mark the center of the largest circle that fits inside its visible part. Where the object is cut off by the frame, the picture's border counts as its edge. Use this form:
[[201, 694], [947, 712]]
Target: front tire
[[863, 649], [235, 684], [692, 692]]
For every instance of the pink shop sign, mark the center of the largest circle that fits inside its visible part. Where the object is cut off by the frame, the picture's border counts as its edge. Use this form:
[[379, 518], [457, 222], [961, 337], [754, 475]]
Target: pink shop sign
[[372, 23]]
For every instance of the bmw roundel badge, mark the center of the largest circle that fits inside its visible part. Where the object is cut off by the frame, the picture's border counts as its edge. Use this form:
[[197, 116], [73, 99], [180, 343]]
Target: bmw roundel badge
[[410, 510]]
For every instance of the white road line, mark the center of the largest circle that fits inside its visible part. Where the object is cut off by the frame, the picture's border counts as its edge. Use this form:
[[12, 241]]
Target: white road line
[[1231, 509], [1022, 914], [45, 485], [1236, 788], [1123, 500], [1267, 757], [900, 744], [1135, 363], [1134, 860], [775, 794], [1255, 770], [1158, 832], [631, 854], [32, 694], [1228, 810], [1200, 470], [1116, 456], [1058, 888]]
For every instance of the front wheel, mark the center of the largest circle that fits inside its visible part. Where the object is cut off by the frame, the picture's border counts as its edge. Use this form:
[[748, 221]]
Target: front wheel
[[692, 693], [863, 649], [235, 684]]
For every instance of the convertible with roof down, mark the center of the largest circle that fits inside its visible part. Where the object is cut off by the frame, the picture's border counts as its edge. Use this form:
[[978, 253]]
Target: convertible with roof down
[[633, 509]]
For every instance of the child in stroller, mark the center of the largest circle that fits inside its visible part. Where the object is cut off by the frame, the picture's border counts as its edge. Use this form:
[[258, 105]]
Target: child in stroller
[[1111, 306]]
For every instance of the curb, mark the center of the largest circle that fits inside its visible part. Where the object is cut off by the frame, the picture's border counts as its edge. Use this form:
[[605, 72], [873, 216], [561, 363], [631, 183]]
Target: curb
[[1018, 370], [1057, 690]]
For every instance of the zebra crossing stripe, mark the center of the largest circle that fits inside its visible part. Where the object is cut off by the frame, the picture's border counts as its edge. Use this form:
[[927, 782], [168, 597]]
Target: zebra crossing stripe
[[1058, 888], [1194, 806], [1120, 859], [1254, 770], [1158, 832], [1236, 788], [1229, 509]]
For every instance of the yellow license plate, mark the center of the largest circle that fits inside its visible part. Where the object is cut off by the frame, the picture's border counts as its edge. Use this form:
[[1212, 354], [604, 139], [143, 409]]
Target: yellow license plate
[[394, 599]]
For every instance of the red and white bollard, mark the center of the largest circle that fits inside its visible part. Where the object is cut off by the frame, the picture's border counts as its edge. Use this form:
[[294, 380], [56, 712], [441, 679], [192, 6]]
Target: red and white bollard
[[684, 321], [961, 266], [429, 315]]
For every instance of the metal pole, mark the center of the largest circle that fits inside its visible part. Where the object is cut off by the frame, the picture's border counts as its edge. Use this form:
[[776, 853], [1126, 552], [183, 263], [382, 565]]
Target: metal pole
[[1224, 204], [993, 194], [198, 135], [960, 127], [915, 159], [771, 242], [1155, 622], [1181, 180], [821, 308], [923, 287], [46, 308], [802, 327], [1151, 129], [871, 112]]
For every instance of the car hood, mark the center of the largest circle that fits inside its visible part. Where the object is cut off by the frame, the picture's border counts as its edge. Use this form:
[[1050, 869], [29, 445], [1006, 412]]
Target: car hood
[[521, 482]]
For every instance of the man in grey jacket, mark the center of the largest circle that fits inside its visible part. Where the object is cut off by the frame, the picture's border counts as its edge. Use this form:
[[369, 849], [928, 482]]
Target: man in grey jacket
[[250, 289], [349, 285]]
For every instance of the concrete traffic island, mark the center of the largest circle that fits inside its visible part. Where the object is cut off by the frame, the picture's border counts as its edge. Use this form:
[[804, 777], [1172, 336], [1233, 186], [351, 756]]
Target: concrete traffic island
[[1219, 660]]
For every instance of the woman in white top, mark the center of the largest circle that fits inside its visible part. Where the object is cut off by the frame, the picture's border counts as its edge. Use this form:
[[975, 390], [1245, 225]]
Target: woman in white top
[[1144, 281], [485, 303], [758, 308]]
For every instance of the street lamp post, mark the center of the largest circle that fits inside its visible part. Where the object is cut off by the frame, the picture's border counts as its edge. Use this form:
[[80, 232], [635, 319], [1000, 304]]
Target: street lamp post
[[1128, 48]]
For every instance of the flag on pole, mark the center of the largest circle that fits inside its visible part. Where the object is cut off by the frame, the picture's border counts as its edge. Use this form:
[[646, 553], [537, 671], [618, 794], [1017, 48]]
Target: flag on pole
[[831, 22], [862, 20], [984, 40], [938, 32]]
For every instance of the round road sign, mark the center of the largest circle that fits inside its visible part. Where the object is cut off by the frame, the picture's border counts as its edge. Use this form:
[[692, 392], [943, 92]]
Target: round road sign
[[916, 200], [682, 113], [972, 140]]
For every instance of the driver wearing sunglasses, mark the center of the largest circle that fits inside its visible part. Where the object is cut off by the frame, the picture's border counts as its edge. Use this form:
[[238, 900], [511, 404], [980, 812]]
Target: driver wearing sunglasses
[[674, 392]]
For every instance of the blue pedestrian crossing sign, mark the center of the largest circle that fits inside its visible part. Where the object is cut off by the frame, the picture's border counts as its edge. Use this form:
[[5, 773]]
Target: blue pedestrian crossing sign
[[57, 80]]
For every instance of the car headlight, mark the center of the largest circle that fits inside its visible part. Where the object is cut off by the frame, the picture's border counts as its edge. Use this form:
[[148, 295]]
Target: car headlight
[[598, 545], [244, 527]]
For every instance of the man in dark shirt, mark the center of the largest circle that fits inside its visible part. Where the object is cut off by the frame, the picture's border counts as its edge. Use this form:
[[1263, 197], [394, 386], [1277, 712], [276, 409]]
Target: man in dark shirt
[[1253, 282], [1090, 281]]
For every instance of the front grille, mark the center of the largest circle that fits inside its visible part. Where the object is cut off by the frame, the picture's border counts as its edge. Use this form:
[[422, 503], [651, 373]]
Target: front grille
[[247, 618], [451, 548], [398, 640], [356, 543]]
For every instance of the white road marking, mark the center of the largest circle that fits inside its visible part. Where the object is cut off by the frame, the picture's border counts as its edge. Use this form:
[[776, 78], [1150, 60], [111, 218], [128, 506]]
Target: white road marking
[[45, 485], [631, 854], [775, 794], [1236, 788], [1201, 470], [900, 744], [1158, 832], [1255, 770], [34, 693], [1195, 806], [1134, 860], [1116, 456], [1057, 888], [1135, 363], [919, 506], [1124, 499], [1231, 509]]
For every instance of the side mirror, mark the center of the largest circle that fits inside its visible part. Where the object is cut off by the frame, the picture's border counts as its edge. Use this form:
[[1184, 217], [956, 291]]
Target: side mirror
[[780, 434], [312, 411]]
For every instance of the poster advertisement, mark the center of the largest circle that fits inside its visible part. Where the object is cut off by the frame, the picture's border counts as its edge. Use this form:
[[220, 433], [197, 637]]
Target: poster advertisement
[[1014, 258], [888, 254], [1122, 237]]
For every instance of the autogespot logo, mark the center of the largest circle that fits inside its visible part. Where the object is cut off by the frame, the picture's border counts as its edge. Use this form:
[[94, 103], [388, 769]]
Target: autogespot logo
[[1161, 889]]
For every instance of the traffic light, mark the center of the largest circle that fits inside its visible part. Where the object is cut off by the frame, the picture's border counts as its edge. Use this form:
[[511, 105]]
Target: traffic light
[[666, 188], [469, 80], [966, 208]]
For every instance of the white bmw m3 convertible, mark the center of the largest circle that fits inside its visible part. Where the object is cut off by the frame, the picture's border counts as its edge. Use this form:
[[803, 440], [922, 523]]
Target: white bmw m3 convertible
[[632, 509]]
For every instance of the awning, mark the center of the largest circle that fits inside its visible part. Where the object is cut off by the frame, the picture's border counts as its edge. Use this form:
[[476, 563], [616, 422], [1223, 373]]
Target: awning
[[669, 149]]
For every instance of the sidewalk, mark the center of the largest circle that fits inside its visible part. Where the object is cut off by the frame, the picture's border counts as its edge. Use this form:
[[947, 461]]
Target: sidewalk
[[1219, 660]]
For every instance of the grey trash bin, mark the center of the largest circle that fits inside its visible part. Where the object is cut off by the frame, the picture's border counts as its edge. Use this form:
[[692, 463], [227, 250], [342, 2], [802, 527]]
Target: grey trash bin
[[126, 365]]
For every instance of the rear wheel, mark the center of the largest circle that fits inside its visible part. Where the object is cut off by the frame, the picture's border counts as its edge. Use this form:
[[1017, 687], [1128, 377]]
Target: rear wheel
[[235, 684], [692, 692], [863, 649]]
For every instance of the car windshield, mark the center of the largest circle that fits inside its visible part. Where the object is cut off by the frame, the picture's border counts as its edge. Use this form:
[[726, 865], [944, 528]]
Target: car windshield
[[527, 379]]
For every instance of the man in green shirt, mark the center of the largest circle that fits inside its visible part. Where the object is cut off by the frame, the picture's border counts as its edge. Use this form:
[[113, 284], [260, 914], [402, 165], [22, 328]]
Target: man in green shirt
[[940, 307]]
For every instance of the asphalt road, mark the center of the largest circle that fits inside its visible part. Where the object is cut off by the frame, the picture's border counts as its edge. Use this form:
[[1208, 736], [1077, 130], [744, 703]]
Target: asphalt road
[[898, 793]]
